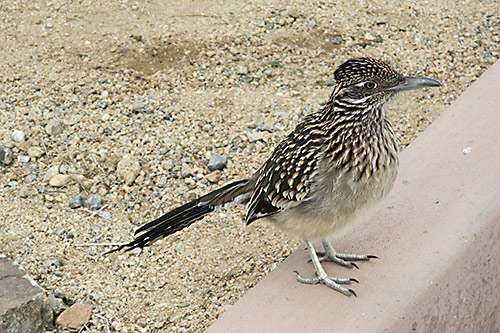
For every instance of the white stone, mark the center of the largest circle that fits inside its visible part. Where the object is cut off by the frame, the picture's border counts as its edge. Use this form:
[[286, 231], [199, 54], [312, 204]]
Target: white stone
[[59, 180], [18, 136], [51, 172], [128, 169]]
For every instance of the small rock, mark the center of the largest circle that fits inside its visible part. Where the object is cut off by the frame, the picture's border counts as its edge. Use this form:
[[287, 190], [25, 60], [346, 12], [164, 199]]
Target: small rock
[[141, 108], [53, 77], [162, 181], [217, 162], [246, 79], [275, 64], [337, 40], [255, 136], [128, 169], [30, 179], [75, 271], [242, 70], [264, 128], [54, 127], [94, 202], [51, 172], [18, 136], [35, 152], [104, 214], [56, 304], [74, 317], [24, 193], [136, 251], [294, 13], [92, 92], [76, 202], [23, 159], [268, 72], [59, 180], [186, 170], [5, 155], [56, 262], [214, 177]]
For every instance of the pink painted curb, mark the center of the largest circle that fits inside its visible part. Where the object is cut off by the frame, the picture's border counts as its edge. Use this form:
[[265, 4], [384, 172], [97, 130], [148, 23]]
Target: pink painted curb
[[437, 236]]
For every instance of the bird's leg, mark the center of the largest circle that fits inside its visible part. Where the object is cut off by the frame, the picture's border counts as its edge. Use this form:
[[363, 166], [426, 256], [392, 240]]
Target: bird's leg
[[322, 277], [329, 254]]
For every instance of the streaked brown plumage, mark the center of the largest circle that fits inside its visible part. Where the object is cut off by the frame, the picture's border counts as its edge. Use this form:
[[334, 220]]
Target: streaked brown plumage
[[336, 164]]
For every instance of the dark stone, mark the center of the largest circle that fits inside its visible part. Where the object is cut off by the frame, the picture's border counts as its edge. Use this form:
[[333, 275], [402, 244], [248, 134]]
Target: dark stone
[[76, 202], [217, 162], [5, 155]]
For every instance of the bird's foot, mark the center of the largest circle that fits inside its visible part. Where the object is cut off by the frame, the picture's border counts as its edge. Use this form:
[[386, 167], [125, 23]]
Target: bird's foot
[[331, 282], [346, 260]]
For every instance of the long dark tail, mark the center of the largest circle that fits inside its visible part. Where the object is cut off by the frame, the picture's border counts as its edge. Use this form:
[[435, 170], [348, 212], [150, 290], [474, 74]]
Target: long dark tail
[[185, 215]]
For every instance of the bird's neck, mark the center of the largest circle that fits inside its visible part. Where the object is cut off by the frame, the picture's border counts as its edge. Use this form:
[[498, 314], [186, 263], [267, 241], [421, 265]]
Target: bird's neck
[[336, 111]]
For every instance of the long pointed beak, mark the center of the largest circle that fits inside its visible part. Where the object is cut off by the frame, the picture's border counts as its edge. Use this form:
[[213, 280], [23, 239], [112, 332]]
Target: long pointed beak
[[412, 82]]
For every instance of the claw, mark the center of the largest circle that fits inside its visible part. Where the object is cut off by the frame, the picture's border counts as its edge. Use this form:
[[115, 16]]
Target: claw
[[370, 256], [354, 264], [352, 292], [354, 280]]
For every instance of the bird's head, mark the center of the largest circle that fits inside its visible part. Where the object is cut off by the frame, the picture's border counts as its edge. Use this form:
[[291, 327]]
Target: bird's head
[[368, 82]]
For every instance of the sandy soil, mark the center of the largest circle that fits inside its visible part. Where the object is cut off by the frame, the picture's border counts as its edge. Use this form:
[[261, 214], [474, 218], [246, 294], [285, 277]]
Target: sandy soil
[[88, 82]]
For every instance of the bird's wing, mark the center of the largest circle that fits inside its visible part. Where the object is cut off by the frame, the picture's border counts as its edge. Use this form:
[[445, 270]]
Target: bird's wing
[[286, 177]]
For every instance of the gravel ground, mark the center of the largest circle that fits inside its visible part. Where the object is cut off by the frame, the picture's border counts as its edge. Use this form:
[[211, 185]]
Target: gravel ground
[[125, 102]]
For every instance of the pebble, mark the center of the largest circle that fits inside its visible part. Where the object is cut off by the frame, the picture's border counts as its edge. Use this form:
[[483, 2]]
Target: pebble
[[141, 108], [30, 179], [241, 69], [128, 169], [214, 177], [76, 202], [5, 155], [18, 136], [59, 180], [54, 127], [35, 152], [186, 170], [23, 159], [104, 214], [264, 128], [56, 304], [51, 172], [94, 202], [275, 64], [246, 79], [255, 136], [53, 77], [217, 162], [75, 316], [24, 193]]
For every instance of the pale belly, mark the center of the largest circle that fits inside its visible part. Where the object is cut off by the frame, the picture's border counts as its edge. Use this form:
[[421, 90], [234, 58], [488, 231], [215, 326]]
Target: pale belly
[[338, 201]]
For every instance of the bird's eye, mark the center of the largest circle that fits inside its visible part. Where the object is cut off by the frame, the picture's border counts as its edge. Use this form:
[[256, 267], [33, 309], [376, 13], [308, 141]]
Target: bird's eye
[[370, 85]]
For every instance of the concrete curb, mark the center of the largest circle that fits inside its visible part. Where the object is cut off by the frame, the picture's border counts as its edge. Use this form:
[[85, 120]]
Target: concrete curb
[[437, 236]]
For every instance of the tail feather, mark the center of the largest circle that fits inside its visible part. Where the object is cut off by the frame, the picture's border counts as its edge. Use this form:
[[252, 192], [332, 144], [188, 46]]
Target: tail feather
[[185, 215]]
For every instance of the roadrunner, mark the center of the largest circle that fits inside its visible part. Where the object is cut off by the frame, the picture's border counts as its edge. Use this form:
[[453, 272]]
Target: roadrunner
[[336, 164]]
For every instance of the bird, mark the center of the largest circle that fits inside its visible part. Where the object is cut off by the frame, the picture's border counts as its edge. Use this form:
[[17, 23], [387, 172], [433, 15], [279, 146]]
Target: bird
[[334, 166]]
